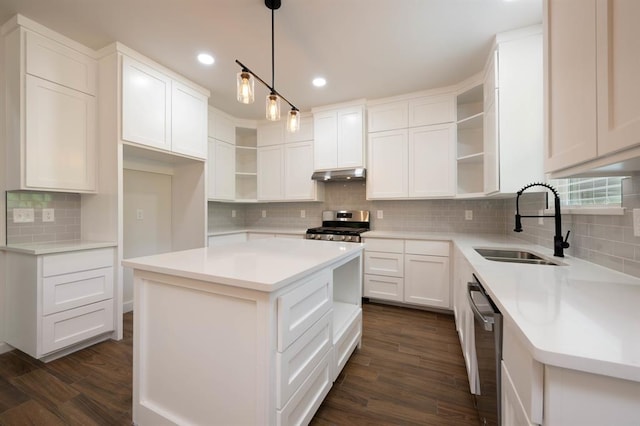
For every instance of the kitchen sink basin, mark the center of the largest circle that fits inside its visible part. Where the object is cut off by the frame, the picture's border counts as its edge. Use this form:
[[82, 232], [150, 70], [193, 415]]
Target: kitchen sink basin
[[515, 256]]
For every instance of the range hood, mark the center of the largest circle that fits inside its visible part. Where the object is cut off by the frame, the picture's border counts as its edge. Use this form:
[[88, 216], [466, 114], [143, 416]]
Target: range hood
[[340, 175]]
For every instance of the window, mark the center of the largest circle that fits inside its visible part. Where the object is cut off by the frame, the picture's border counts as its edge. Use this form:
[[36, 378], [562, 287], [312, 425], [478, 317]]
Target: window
[[589, 192]]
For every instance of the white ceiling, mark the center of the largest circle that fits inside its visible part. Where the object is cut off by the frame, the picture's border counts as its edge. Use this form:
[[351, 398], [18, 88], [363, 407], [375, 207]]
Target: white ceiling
[[364, 48]]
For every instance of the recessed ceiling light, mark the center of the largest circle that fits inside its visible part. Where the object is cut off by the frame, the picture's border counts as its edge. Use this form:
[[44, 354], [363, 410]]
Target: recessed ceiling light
[[206, 59], [319, 82]]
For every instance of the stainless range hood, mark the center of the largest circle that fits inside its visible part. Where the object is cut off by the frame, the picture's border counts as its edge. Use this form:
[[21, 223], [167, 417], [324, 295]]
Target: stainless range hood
[[340, 175]]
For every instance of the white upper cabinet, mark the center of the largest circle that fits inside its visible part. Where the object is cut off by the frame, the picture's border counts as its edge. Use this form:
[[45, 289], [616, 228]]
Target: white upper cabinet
[[285, 169], [271, 133], [162, 112], [53, 61], [428, 110], [221, 170], [593, 85], [221, 126], [406, 159], [188, 121], [618, 72], [432, 158], [146, 105], [50, 83], [513, 116], [339, 137]]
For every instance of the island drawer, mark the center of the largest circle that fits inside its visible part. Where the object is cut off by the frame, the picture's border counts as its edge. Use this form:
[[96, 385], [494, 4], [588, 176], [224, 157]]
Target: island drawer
[[296, 363], [75, 325], [383, 287], [67, 291], [306, 400], [300, 308]]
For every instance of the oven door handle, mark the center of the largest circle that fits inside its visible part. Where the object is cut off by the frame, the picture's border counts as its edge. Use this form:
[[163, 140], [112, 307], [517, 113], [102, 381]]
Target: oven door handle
[[487, 322]]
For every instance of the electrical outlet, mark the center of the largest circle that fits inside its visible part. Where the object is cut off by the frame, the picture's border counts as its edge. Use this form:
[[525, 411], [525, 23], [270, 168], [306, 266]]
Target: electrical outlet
[[22, 215], [379, 214], [264, 213], [233, 213], [48, 215], [468, 215], [303, 213], [540, 219], [140, 214], [636, 222]]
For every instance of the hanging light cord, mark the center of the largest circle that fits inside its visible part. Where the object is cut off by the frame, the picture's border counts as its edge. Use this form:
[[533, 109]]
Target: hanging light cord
[[273, 67]]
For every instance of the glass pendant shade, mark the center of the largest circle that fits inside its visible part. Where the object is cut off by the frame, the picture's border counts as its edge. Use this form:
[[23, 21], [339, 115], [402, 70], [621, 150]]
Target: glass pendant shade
[[273, 107], [245, 86], [293, 121]]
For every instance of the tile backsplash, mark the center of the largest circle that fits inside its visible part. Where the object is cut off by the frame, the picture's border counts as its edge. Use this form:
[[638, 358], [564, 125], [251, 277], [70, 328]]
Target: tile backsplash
[[402, 215], [607, 240], [66, 224]]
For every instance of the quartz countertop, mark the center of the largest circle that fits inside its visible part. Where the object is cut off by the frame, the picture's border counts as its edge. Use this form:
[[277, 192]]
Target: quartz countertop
[[579, 316], [264, 265], [261, 230], [57, 246]]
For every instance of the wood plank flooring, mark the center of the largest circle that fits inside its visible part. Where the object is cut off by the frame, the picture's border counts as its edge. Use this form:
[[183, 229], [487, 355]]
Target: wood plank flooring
[[409, 371]]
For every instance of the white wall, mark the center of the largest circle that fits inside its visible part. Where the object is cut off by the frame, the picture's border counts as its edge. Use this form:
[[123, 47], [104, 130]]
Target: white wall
[[149, 193]]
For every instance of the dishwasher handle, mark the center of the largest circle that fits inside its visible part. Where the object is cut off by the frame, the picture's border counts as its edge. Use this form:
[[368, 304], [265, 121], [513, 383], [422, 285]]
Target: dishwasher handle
[[487, 322]]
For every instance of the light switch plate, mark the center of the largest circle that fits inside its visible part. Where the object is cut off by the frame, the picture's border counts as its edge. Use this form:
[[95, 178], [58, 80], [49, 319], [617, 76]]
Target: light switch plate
[[379, 214], [48, 215], [468, 215], [303, 213], [140, 214], [264, 213], [233, 213]]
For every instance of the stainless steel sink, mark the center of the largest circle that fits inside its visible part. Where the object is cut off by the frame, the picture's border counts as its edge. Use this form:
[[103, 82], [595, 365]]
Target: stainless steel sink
[[515, 256]]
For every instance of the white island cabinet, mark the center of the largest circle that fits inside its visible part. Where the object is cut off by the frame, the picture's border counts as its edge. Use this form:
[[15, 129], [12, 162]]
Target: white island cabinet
[[250, 333]]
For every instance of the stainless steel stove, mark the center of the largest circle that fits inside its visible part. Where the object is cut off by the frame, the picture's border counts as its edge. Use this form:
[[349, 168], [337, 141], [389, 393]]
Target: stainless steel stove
[[341, 225]]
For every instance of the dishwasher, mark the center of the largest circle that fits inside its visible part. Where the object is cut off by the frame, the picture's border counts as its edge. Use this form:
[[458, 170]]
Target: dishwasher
[[488, 344]]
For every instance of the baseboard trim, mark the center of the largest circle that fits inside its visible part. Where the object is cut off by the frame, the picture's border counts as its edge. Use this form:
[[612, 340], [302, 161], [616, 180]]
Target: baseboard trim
[[4, 347]]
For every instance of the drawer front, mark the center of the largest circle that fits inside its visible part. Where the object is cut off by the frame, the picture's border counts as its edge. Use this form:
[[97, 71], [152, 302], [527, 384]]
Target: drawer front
[[300, 308], [387, 288], [75, 325], [346, 344], [65, 263], [430, 248], [296, 363], [389, 246], [60, 64], [62, 292], [387, 264], [305, 402]]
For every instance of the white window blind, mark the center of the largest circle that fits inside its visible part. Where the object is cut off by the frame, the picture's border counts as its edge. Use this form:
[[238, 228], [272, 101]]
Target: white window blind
[[589, 192]]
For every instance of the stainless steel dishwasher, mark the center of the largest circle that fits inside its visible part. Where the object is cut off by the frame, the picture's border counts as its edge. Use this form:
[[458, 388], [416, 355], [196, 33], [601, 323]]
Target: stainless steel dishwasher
[[488, 344]]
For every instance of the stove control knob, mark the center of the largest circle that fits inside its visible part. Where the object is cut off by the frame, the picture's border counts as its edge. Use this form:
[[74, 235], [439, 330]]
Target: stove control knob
[[318, 236], [343, 238], [347, 238], [329, 237]]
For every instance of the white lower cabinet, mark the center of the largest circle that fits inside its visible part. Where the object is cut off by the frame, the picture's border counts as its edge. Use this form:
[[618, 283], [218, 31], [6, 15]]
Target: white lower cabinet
[[58, 300], [513, 412], [410, 271]]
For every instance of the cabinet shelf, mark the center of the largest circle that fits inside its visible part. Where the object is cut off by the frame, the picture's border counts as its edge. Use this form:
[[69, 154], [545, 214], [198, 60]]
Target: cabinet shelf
[[471, 122], [250, 148], [246, 174], [472, 158]]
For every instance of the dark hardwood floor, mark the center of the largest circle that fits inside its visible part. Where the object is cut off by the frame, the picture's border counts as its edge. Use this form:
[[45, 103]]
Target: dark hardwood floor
[[409, 371]]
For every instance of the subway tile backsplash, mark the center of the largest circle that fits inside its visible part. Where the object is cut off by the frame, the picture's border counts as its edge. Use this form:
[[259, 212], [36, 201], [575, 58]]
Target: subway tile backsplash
[[66, 224]]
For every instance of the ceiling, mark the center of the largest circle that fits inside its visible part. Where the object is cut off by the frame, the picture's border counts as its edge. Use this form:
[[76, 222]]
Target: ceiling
[[364, 48]]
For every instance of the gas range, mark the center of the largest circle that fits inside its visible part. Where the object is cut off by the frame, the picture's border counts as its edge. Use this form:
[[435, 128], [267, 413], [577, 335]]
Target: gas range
[[341, 225]]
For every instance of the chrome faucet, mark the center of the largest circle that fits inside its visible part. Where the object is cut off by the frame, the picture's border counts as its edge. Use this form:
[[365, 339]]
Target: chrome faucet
[[559, 243]]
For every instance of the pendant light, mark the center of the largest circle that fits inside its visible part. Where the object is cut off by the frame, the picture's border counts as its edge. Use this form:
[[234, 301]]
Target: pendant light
[[245, 83]]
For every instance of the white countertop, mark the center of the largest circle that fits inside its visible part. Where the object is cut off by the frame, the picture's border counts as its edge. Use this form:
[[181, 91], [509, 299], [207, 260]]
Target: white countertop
[[580, 316], [264, 265], [57, 246], [262, 230]]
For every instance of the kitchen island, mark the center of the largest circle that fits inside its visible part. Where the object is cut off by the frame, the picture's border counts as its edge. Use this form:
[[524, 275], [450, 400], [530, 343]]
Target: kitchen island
[[248, 333]]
